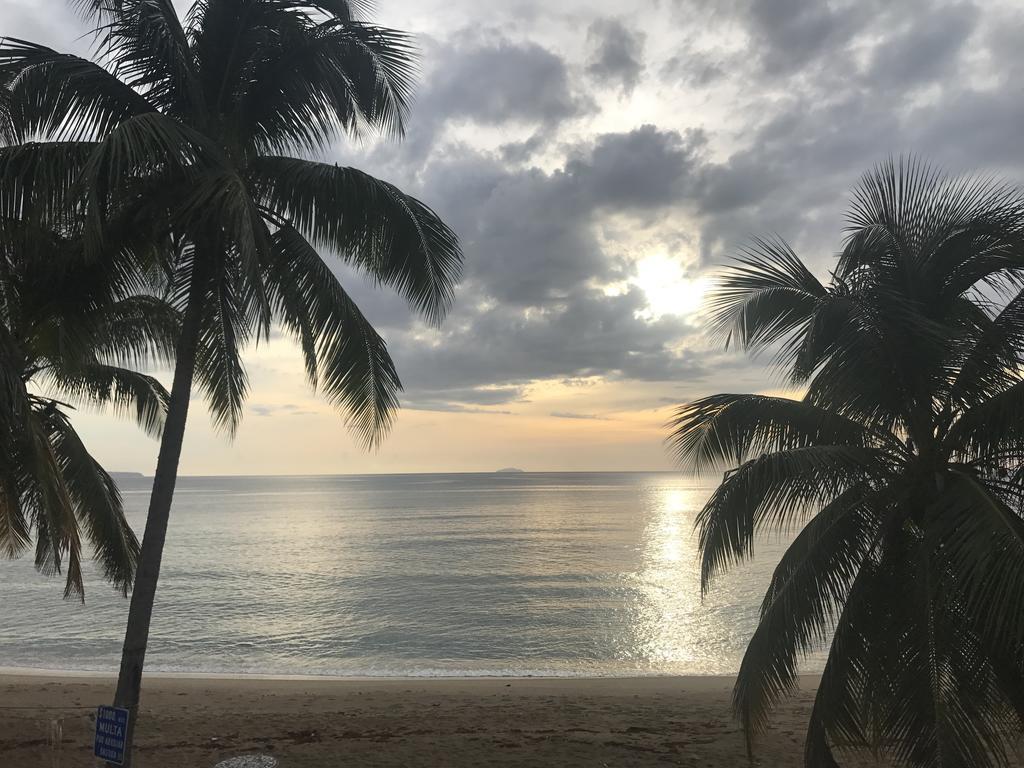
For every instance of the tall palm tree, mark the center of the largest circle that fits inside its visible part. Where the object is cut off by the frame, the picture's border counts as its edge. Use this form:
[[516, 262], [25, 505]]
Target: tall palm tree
[[67, 330], [902, 466], [191, 124]]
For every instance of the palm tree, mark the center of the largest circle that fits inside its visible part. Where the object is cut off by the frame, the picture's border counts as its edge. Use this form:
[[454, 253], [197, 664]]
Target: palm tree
[[191, 124], [902, 466], [67, 328]]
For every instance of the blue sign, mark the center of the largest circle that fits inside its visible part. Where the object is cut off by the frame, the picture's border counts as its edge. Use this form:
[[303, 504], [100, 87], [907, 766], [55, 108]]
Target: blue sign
[[111, 734]]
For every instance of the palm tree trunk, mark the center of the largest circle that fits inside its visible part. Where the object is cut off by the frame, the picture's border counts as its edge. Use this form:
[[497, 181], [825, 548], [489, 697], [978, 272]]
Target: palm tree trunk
[[129, 680]]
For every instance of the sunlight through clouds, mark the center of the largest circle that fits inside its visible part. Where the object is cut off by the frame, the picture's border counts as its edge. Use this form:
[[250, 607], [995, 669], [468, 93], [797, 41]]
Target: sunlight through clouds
[[667, 287]]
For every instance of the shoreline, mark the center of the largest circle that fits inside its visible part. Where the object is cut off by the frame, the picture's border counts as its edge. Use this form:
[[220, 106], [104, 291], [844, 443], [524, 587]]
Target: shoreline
[[186, 722], [88, 674]]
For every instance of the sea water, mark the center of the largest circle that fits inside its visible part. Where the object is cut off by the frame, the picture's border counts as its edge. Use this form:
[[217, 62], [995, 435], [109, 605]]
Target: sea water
[[406, 575]]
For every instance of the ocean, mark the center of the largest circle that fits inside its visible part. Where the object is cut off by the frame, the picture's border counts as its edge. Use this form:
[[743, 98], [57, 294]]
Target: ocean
[[576, 574]]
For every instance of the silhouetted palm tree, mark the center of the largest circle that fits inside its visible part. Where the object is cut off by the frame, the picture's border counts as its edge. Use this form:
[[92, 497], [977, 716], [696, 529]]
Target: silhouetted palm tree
[[902, 466], [191, 124], [68, 329]]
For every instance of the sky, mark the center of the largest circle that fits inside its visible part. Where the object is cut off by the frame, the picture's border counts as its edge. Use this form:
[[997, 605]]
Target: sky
[[601, 161]]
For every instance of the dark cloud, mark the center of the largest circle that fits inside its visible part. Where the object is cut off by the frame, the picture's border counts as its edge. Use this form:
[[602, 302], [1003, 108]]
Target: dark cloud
[[1000, 36], [500, 82], [617, 54], [580, 416], [517, 152], [924, 49], [825, 45], [794, 33], [465, 397], [642, 169], [586, 334], [794, 175], [529, 233]]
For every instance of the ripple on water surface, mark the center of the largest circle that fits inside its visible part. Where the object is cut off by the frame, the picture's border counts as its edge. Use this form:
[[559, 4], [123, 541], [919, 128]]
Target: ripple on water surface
[[544, 574]]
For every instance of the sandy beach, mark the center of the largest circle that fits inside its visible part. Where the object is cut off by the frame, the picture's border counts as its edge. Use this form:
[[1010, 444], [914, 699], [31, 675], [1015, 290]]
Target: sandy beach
[[195, 722]]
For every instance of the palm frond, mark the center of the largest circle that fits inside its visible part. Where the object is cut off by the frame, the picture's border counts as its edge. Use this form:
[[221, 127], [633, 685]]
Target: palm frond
[[776, 491], [948, 710], [15, 413], [143, 145], [391, 236], [807, 593], [137, 331], [991, 356], [39, 180], [219, 369], [147, 47], [15, 533], [885, 366], [57, 96], [838, 711], [97, 504], [991, 432], [764, 297], [125, 391], [981, 542], [345, 357], [46, 495], [314, 82], [728, 429], [939, 233], [219, 202]]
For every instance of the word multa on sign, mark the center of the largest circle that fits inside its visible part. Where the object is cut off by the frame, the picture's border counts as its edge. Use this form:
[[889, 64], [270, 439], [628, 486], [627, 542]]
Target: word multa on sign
[[111, 732]]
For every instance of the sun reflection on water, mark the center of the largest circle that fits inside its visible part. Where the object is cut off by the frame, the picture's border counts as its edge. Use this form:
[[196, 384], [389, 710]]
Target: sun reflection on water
[[536, 574], [667, 592]]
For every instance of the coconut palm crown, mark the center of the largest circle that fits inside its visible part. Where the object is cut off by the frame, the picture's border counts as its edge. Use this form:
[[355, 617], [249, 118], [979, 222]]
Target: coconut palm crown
[[902, 467], [190, 125], [200, 129]]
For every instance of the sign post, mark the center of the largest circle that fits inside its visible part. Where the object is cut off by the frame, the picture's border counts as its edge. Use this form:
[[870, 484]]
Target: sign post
[[111, 733]]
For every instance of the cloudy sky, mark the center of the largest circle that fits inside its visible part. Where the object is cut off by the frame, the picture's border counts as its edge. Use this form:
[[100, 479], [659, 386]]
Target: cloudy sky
[[600, 161]]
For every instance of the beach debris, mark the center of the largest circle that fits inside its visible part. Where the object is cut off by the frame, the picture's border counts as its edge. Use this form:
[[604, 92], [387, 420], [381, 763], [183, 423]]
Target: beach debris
[[248, 761]]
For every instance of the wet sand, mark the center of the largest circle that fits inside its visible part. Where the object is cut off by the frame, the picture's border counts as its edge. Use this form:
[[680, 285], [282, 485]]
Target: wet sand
[[314, 723]]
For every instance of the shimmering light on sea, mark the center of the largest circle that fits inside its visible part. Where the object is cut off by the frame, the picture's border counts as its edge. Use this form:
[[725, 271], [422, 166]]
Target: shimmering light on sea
[[557, 574]]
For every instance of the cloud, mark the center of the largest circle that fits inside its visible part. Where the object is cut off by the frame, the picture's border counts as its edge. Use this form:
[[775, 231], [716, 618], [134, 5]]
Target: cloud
[[463, 399], [752, 117], [499, 82], [812, 96], [925, 48], [446, 406], [586, 334], [616, 54], [278, 409], [793, 33], [551, 220], [745, 117], [639, 169], [531, 235], [694, 69], [580, 416]]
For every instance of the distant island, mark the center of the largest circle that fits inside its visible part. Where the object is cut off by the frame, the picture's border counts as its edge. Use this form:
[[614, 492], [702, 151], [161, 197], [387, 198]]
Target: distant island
[[127, 475], [510, 471]]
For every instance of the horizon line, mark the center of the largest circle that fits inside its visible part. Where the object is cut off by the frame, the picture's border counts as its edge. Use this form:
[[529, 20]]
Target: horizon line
[[145, 476]]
